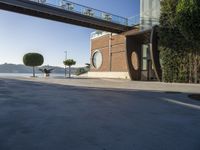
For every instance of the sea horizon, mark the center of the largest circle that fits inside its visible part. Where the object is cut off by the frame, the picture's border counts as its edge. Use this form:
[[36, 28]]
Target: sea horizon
[[30, 74]]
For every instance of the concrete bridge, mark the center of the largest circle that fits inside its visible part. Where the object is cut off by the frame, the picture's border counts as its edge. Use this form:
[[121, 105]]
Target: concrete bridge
[[68, 12]]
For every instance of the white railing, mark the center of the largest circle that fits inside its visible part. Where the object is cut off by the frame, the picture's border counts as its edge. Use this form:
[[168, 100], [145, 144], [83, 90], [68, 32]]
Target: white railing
[[84, 10], [143, 22]]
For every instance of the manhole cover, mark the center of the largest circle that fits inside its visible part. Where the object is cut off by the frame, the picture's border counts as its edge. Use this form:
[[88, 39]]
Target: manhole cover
[[194, 96]]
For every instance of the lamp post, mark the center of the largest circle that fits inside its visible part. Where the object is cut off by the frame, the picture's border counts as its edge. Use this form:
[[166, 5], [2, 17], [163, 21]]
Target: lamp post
[[65, 55], [65, 65]]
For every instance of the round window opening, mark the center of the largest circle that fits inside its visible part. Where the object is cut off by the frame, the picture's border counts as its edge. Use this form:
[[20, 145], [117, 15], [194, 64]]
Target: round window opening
[[97, 59], [134, 59]]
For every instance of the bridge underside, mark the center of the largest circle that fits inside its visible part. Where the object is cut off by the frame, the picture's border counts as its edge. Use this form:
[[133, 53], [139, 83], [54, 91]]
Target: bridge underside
[[49, 12]]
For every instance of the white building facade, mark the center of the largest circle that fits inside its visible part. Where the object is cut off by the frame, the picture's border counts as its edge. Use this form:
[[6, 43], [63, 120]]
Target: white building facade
[[149, 13]]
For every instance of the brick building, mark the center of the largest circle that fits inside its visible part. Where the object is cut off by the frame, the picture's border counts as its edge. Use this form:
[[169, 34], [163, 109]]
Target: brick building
[[131, 55], [108, 57]]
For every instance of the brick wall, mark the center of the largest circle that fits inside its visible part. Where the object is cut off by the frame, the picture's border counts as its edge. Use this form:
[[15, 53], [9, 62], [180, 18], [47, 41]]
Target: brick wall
[[118, 53]]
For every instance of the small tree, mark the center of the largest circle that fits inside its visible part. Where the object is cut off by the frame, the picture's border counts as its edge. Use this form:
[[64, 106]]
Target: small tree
[[33, 60], [69, 63]]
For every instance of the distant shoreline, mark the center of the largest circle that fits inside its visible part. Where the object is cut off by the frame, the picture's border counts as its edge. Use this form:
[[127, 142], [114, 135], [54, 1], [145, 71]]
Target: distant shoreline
[[30, 74], [22, 69]]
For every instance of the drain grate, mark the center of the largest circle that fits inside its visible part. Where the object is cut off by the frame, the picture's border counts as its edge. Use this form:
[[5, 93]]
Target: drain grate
[[194, 96]]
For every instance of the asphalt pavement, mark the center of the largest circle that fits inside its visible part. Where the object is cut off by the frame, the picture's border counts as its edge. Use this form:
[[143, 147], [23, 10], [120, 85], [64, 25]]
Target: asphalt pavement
[[38, 115]]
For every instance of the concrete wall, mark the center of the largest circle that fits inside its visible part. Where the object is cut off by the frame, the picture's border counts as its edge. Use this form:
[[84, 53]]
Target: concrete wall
[[116, 75], [149, 13]]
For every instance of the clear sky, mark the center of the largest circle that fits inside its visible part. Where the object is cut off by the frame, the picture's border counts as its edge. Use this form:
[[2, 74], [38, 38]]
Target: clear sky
[[20, 34]]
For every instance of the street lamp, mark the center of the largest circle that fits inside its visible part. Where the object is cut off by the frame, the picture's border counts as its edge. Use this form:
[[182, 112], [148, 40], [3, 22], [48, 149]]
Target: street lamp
[[65, 65], [65, 55]]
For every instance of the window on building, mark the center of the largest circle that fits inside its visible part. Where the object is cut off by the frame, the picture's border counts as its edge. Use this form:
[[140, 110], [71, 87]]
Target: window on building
[[145, 48], [97, 59], [134, 59]]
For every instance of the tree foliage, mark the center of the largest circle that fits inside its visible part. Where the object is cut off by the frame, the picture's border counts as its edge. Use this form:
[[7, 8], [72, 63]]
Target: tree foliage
[[188, 20], [171, 41], [69, 63], [176, 42], [170, 36], [33, 60]]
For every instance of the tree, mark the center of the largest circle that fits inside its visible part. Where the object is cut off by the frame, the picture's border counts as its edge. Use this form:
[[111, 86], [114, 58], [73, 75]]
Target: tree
[[33, 60], [69, 63], [168, 40], [188, 22], [173, 45]]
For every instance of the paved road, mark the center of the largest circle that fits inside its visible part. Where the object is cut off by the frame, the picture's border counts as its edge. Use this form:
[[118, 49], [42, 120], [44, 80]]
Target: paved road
[[46, 116]]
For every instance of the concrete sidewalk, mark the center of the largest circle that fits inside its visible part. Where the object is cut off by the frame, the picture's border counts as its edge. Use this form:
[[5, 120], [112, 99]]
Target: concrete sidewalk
[[117, 84]]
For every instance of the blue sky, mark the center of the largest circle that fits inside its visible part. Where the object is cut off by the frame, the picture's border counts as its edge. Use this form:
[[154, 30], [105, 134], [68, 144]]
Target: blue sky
[[20, 34]]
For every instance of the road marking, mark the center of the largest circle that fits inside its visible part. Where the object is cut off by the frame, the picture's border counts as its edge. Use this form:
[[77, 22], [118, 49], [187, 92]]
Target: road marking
[[182, 103]]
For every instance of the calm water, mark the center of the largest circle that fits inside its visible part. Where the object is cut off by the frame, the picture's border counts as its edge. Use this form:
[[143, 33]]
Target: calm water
[[28, 75]]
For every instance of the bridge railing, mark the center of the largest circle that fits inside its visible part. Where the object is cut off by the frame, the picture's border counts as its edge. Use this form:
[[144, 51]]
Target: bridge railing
[[84, 10], [142, 22], [135, 20]]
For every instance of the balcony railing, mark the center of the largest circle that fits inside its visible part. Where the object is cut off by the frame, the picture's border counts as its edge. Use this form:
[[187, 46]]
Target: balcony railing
[[84, 10]]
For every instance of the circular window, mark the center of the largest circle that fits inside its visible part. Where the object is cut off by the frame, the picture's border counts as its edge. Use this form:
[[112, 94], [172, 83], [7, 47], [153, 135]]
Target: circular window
[[97, 59], [134, 59]]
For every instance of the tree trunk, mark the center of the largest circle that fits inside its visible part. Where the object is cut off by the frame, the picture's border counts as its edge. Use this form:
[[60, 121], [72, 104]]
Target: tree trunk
[[33, 71], [190, 67], [198, 67], [195, 67], [69, 71]]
